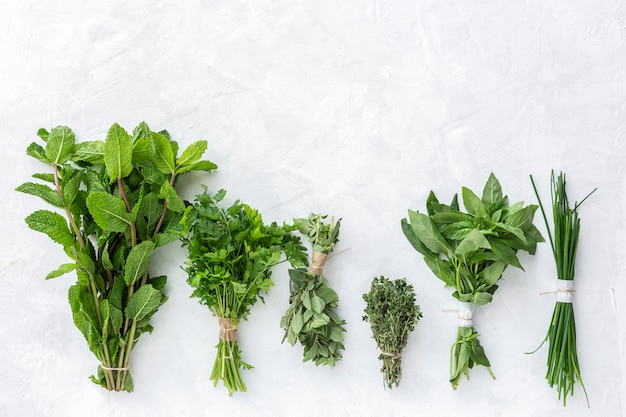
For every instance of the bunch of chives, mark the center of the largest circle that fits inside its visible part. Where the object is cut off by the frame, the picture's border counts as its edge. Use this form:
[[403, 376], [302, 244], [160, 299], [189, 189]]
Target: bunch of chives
[[563, 368]]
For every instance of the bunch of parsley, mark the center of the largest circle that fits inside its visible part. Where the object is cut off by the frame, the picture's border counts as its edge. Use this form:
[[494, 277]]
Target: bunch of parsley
[[311, 318], [231, 253], [119, 205], [469, 252]]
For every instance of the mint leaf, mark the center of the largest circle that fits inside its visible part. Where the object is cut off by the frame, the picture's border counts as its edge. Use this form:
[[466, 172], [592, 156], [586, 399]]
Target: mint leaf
[[108, 211], [192, 154], [91, 152], [52, 224], [138, 261], [118, 151], [198, 166], [63, 269], [143, 302], [42, 191], [38, 152], [174, 202], [164, 156], [60, 145]]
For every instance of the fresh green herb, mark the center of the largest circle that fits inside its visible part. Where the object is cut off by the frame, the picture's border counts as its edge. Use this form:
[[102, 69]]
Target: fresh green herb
[[469, 252], [392, 313], [231, 253], [323, 236], [311, 318], [563, 368], [120, 205]]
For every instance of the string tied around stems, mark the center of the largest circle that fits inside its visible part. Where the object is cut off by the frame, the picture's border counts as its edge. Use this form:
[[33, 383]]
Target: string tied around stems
[[318, 260], [106, 368], [227, 331], [565, 291], [392, 356], [466, 314]]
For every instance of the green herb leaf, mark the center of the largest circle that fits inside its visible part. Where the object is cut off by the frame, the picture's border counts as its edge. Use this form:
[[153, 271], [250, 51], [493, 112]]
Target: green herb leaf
[[52, 224], [164, 156], [492, 191], [473, 241], [118, 153], [143, 302], [60, 145], [91, 152], [109, 212], [192, 154], [61, 270], [427, 233], [138, 261], [472, 203], [38, 152], [174, 202], [42, 191]]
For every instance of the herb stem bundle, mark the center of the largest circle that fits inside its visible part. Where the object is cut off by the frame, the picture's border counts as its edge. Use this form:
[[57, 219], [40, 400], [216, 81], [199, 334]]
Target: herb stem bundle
[[563, 367]]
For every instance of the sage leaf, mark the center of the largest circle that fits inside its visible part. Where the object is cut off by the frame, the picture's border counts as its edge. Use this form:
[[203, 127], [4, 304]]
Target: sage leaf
[[317, 304]]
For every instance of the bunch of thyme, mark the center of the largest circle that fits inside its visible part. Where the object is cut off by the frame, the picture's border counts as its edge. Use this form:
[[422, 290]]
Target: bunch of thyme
[[392, 313]]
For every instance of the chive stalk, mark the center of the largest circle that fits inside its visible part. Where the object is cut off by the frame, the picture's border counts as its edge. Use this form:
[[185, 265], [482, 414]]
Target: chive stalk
[[563, 367]]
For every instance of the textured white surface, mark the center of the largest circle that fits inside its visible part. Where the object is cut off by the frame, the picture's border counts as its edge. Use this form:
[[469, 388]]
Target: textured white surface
[[354, 108]]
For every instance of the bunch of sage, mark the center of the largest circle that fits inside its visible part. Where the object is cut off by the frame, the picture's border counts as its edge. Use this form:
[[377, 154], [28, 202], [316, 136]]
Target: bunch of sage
[[230, 255], [469, 252], [120, 205], [563, 368], [392, 313], [311, 318]]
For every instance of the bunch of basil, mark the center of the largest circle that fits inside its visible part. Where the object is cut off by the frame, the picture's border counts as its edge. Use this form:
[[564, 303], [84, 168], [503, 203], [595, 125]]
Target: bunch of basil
[[469, 252]]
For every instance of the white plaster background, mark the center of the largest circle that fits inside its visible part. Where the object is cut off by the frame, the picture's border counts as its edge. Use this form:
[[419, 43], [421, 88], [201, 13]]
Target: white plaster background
[[353, 108]]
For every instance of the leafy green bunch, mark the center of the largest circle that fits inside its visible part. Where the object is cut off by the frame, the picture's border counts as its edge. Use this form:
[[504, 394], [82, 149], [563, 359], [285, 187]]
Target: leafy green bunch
[[392, 313], [119, 206], [231, 253], [470, 251], [311, 318], [322, 235], [563, 368]]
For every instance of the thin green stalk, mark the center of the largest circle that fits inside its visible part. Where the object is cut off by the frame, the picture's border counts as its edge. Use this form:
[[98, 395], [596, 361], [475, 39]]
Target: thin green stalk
[[563, 367]]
